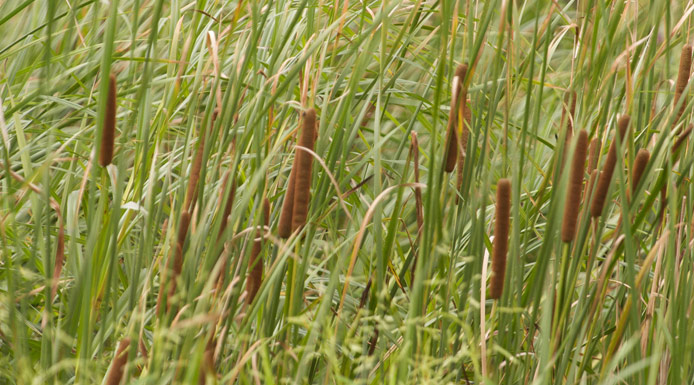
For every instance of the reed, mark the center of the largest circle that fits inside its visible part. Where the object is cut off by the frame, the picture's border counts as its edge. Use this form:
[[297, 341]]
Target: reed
[[575, 189], [303, 163], [108, 133], [640, 163], [459, 94], [682, 80], [255, 263], [605, 178], [115, 373], [500, 244], [173, 267]]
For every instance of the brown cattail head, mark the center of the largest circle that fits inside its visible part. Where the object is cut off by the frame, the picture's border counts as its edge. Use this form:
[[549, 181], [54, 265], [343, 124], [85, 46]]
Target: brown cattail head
[[115, 373], [608, 169], [285, 226], [573, 194], [640, 163], [303, 162], [462, 146], [500, 244], [683, 78], [459, 96], [255, 263], [178, 256], [589, 187], [196, 167], [207, 365], [108, 133], [594, 152]]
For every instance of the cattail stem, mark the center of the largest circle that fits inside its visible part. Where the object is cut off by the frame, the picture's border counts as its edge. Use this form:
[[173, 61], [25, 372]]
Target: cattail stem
[[115, 374], [303, 163], [573, 194], [501, 231], [459, 97], [605, 178], [255, 263], [682, 79], [108, 133]]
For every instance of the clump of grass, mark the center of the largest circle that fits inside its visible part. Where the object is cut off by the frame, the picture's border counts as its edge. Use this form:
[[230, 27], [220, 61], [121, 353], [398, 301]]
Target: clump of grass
[[303, 163], [115, 373], [605, 178], [459, 97], [682, 79], [255, 263], [501, 231], [108, 133], [575, 188]]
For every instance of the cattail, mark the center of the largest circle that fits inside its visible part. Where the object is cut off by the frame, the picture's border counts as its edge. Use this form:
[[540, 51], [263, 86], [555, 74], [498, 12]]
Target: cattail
[[224, 224], [640, 163], [464, 135], [459, 95], [608, 169], [196, 167], [285, 226], [255, 264], [207, 366], [115, 374], [108, 133], [594, 152], [589, 187], [683, 78], [573, 194], [500, 245], [177, 265], [303, 162]]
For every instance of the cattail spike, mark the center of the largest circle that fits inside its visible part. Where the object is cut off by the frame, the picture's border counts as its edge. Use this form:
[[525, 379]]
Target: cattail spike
[[115, 373], [683, 79], [594, 153], [285, 226], [178, 254], [255, 264], [573, 194], [608, 169], [303, 162], [500, 244], [640, 163], [108, 133], [682, 138]]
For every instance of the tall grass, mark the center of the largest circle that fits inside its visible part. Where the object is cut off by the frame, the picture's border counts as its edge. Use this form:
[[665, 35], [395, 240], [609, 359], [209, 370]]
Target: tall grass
[[226, 242]]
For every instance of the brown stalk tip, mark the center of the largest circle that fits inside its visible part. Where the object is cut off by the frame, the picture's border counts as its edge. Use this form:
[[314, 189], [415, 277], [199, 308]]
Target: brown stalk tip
[[500, 244], [594, 152], [640, 163], [683, 76], [255, 264], [303, 162], [608, 169], [573, 194], [451, 155], [115, 374], [108, 132]]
